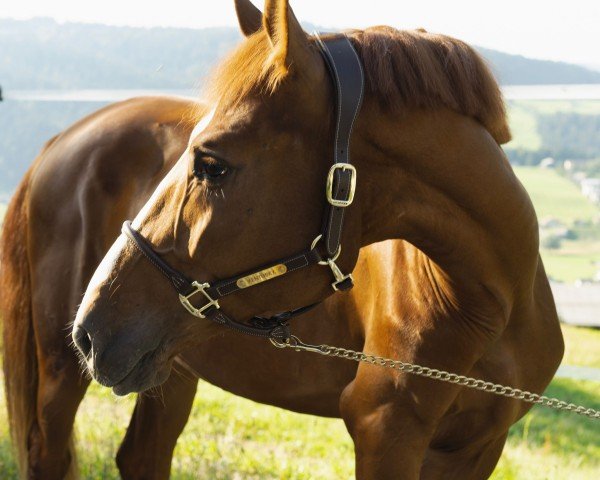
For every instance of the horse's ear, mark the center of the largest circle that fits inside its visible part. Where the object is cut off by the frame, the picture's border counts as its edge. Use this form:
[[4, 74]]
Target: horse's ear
[[249, 17], [290, 42]]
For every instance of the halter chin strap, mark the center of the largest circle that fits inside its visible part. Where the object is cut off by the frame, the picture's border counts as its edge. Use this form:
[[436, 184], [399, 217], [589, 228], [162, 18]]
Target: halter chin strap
[[347, 74]]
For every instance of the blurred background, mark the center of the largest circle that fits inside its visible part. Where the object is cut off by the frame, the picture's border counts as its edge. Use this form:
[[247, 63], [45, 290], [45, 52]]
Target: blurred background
[[63, 59]]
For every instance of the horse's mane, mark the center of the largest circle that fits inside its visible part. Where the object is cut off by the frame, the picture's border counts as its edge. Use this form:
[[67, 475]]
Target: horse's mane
[[404, 70]]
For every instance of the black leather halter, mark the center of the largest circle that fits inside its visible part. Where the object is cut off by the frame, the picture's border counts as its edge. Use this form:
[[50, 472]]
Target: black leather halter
[[347, 74]]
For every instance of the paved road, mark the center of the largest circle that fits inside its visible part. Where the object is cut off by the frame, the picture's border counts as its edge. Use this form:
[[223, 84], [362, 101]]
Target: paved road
[[578, 373], [578, 304]]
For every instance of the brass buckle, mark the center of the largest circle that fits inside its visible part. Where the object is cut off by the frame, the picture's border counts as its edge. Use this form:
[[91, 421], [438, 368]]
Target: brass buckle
[[198, 312], [329, 188]]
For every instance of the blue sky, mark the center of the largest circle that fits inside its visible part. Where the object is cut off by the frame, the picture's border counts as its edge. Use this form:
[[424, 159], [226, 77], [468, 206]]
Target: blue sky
[[550, 29]]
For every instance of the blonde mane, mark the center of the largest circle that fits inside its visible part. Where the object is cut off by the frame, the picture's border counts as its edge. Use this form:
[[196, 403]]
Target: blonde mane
[[404, 70]]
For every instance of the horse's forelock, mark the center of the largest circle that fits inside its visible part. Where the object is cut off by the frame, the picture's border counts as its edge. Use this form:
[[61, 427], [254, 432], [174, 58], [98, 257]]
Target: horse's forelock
[[249, 68]]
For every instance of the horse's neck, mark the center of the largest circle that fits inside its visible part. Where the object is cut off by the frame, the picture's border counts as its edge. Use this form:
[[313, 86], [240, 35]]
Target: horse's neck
[[440, 181]]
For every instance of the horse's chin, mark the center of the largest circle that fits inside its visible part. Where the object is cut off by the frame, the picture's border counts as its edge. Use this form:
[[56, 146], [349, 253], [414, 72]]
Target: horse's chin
[[144, 376]]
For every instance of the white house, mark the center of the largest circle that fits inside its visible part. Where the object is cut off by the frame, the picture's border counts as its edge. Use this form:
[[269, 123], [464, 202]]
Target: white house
[[590, 187]]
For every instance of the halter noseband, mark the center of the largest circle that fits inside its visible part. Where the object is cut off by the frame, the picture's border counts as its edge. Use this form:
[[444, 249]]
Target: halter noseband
[[346, 71]]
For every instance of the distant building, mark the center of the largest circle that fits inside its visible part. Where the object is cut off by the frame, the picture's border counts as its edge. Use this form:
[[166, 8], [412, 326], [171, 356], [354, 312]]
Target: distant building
[[547, 162], [568, 165], [590, 188]]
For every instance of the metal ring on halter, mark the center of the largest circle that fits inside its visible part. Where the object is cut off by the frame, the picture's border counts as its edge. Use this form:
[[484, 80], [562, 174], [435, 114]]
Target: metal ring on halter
[[325, 262]]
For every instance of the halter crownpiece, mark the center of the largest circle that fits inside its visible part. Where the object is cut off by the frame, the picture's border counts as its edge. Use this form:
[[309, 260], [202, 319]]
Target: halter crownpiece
[[346, 71]]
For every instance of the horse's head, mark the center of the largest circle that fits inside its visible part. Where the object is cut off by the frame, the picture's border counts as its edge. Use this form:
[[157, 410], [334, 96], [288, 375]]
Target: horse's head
[[249, 189]]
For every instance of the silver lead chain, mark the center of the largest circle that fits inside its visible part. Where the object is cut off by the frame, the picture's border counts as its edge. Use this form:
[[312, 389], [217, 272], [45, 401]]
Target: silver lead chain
[[441, 375]]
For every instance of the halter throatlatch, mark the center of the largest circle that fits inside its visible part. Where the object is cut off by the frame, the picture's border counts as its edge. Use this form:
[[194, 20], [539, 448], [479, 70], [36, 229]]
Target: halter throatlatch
[[347, 74]]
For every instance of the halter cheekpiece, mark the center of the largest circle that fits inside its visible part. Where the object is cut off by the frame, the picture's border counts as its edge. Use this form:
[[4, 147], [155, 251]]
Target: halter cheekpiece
[[347, 74]]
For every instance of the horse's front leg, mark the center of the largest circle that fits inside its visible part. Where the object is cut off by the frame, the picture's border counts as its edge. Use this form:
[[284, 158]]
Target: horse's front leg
[[392, 416], [157, 422], [390, 434]]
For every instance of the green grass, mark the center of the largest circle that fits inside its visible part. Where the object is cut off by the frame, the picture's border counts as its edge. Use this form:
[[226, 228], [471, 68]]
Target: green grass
[[582, 346], [570, 267], [548, 444], [523, 125], [555, 196], [228, 437]]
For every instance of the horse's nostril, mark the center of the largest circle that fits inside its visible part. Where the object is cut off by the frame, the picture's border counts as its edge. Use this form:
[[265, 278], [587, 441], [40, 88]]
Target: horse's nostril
[[82, 340]]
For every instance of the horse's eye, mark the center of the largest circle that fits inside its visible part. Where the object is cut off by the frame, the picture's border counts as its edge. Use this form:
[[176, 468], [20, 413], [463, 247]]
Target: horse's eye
[[215, 170], [209, 169]]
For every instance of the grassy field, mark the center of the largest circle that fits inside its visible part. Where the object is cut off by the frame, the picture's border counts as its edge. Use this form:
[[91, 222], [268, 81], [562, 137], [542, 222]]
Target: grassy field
[[556, 196], [523, 125], [232, 438], [568, 267], [582, 347]]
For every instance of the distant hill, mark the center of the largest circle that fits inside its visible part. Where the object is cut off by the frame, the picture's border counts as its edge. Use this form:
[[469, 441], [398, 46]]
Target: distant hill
[[42, 54], [519, 70]]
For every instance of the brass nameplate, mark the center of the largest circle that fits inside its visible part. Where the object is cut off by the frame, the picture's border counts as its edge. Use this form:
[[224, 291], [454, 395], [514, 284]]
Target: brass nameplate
[[262, 276]]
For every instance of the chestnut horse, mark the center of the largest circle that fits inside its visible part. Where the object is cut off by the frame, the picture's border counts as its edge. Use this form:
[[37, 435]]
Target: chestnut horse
[[461, 286]]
